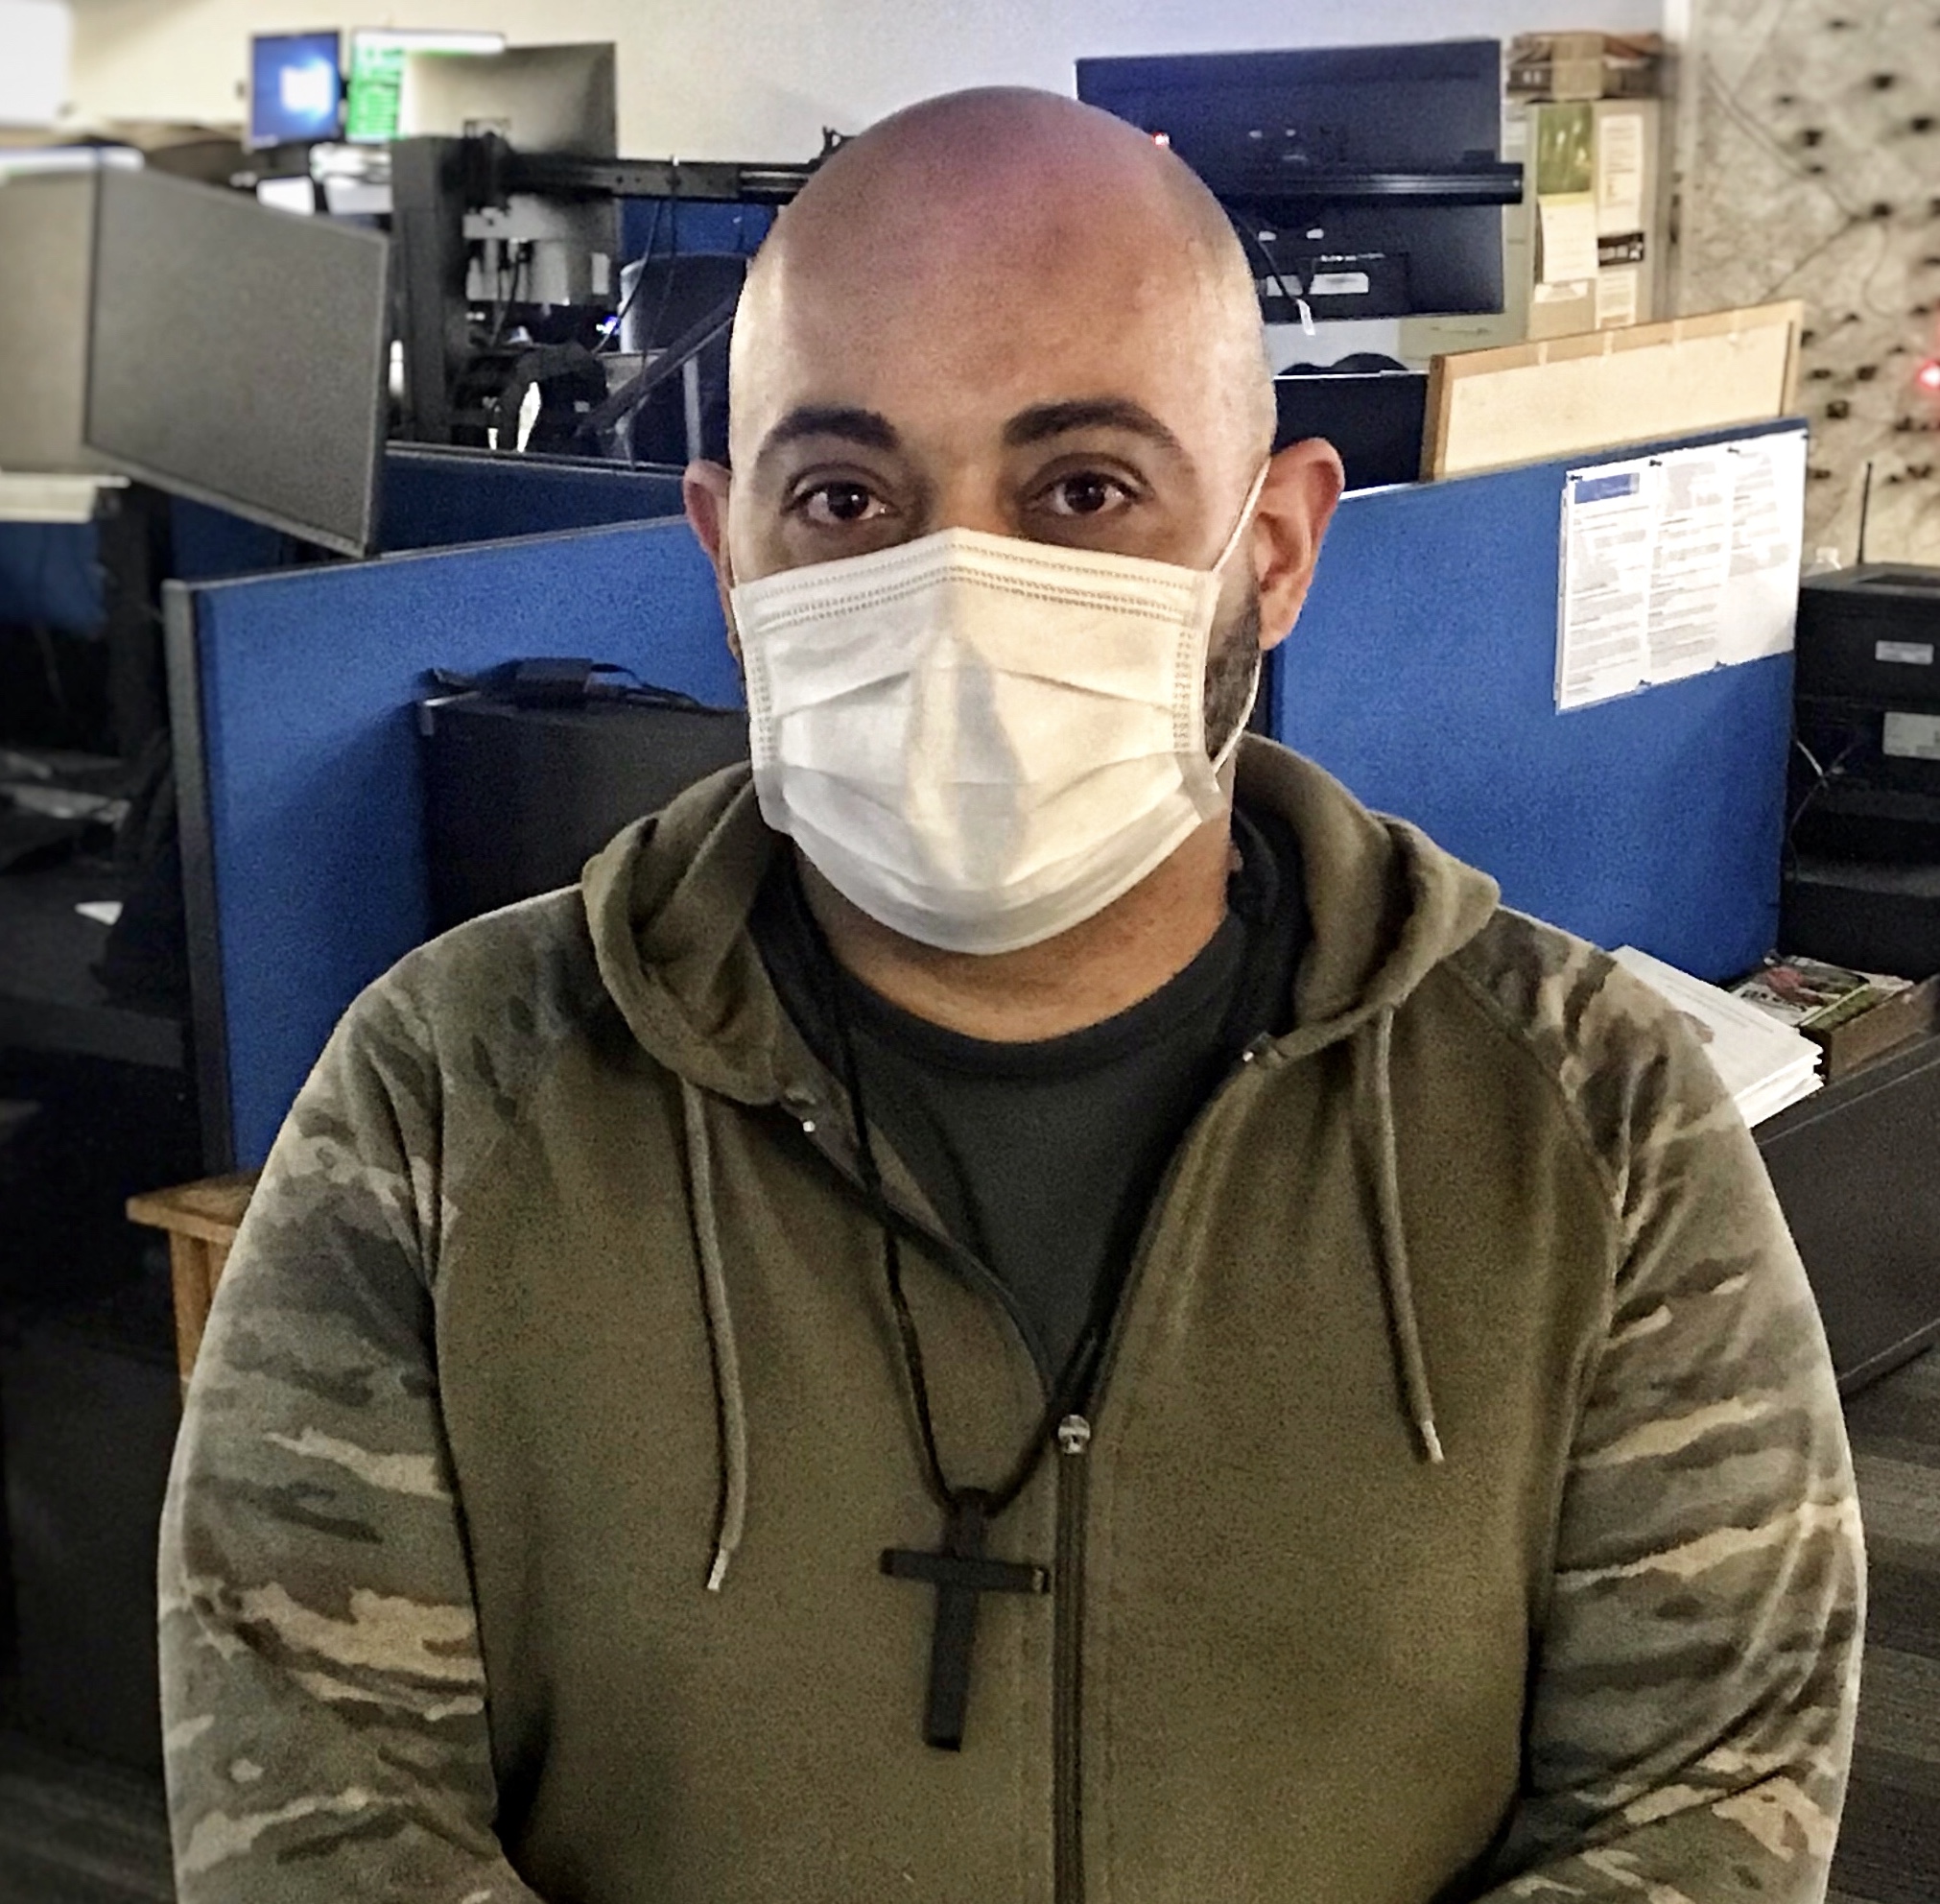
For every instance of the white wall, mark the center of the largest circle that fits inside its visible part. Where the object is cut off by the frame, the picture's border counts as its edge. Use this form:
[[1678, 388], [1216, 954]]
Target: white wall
[[759, 79]]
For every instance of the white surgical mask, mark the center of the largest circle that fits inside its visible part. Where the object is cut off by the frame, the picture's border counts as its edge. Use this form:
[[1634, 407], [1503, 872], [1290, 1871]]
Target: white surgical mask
[[982, 741]]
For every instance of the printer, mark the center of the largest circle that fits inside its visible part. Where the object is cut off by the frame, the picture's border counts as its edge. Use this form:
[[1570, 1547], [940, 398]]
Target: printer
[[1862, 880]]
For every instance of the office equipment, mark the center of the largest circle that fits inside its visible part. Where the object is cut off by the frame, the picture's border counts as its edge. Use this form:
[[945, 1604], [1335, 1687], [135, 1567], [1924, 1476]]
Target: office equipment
[[1872, 634], [1586, 65], [295, 88], [1367, 180], [1422, 673], [47, 239], [557, 98], [1373, 418], [374, 83], [463, 280], [1862, 880], [518, 798], [276, 411], [1524, 402], [1853, 1168]]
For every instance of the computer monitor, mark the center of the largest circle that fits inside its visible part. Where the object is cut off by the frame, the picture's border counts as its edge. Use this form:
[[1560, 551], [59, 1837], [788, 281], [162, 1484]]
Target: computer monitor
[[1406, 137], [535, 98], [240, 356], [375, 79], [295, 88], [47, 238]]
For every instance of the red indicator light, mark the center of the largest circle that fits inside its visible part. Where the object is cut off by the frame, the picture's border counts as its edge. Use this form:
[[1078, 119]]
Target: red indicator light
[[1928, 376], [1162, 138]]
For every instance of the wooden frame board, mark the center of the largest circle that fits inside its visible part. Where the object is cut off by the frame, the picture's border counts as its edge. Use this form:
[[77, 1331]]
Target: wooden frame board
[[1574, 395]]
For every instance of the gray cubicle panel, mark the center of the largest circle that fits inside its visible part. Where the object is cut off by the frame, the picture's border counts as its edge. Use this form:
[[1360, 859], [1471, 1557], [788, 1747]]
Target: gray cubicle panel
[[240, 356], [47, 241]]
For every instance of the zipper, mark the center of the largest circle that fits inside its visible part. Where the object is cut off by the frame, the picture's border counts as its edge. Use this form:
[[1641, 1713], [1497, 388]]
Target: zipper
[[1074, 1475], [1073, 1472], [1074, 1487]]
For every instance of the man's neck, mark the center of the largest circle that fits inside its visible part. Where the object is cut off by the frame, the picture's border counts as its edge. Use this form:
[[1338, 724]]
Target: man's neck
[[1100, 967]]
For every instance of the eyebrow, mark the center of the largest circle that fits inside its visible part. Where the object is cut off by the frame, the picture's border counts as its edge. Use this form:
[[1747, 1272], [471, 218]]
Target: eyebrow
[[870, 429], [1044, 420]]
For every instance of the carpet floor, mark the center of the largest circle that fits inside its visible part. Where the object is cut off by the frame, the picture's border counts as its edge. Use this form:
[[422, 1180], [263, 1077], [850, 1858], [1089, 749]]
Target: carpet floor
[[73, 1832]]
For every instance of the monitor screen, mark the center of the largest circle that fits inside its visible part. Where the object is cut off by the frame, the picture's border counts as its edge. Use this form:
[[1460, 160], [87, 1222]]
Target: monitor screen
[[1263, 130], [239, 356], [376, 76], [535, 98], [295, 88], [46, 234]]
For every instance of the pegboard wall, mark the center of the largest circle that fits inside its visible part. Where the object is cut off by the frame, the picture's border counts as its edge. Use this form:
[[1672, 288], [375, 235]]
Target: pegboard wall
[[1811, 156]]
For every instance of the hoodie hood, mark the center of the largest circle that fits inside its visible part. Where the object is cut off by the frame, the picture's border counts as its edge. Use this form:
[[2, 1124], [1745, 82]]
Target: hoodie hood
[[668, 903]]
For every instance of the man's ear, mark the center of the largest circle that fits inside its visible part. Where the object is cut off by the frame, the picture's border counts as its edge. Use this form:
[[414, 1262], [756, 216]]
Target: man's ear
[[1296, 504], [704, 489]]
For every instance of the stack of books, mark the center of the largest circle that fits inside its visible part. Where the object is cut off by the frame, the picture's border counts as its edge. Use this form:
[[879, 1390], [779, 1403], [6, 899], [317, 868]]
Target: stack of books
[[1853, 1016], [1765, 1063]]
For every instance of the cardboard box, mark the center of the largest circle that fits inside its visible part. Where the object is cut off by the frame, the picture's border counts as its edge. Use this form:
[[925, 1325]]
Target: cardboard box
[[1586, 65]]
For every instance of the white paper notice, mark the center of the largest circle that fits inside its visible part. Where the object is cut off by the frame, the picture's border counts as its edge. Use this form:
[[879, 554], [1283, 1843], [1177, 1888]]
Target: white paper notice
[[1609, 525], [1678, 563], [1690, 562], [1768, 533], [1569, 237], [1620, 173], [1617, 288]]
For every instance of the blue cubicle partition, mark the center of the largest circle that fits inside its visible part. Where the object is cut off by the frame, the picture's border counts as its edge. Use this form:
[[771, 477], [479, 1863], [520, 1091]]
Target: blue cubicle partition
[[300, 794], [439, 498], [1422, 674], [50, 576], [50, 572]]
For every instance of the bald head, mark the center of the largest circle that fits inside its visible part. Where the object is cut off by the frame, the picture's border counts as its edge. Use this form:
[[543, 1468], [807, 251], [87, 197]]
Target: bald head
[[1015, 217], [1008, 312]]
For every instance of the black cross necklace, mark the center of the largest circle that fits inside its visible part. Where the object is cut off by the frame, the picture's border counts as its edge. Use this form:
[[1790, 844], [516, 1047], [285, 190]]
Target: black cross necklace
[[956, 1567], [959, 1572]]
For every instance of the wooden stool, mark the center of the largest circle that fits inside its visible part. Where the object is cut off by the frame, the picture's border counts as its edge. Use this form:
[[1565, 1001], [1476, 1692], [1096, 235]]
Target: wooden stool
[[201, 1220]]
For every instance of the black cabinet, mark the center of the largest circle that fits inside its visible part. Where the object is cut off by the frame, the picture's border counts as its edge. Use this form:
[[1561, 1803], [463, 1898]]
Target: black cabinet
[[1856, 1166]]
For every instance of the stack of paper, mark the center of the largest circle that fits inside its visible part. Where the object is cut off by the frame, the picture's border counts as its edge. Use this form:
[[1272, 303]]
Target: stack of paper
[[1764, 1065]]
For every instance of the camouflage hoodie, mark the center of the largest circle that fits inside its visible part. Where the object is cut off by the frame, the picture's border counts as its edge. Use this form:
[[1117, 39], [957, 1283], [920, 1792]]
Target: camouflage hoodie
[[1464, 1510]]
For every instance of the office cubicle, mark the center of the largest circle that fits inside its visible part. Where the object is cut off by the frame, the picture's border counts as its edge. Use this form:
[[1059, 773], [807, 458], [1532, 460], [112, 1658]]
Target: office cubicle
[[1421, 673]]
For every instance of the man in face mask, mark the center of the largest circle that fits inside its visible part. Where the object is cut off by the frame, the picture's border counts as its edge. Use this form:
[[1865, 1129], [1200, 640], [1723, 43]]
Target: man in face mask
[[1026, 1302]]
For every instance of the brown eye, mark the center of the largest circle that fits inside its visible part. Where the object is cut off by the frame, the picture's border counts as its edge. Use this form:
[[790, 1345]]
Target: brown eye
[[1086, 494], [832, 505]]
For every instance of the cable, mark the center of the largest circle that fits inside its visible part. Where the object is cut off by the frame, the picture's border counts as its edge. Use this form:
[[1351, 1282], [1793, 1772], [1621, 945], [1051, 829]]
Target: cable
[[1823, 776], [1245, 228], [613, 338], [666, 287]]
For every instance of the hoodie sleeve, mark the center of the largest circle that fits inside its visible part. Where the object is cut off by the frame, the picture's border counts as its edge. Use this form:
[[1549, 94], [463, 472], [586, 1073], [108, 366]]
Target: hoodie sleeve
[[324, 1695], [1695, 1680]]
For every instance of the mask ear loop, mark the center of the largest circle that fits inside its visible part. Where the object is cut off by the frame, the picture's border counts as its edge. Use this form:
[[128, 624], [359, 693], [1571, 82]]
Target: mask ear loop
[[1245, 520], [1225, 754]]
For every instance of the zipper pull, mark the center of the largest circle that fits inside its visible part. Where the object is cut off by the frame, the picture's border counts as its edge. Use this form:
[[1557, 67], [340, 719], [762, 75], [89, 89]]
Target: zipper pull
[[1074, 1435]]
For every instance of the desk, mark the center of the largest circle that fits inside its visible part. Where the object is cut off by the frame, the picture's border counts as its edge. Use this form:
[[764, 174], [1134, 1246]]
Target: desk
[[50, 999], [200, 1220], [1853, 1166]]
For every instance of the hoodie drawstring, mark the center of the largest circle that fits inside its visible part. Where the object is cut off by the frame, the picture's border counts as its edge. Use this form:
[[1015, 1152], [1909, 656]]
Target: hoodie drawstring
[[1392, 1244], [731, 1404]]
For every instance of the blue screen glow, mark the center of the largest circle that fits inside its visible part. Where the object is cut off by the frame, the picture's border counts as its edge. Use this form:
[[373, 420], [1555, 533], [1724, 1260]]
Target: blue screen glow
[[295, 88]]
